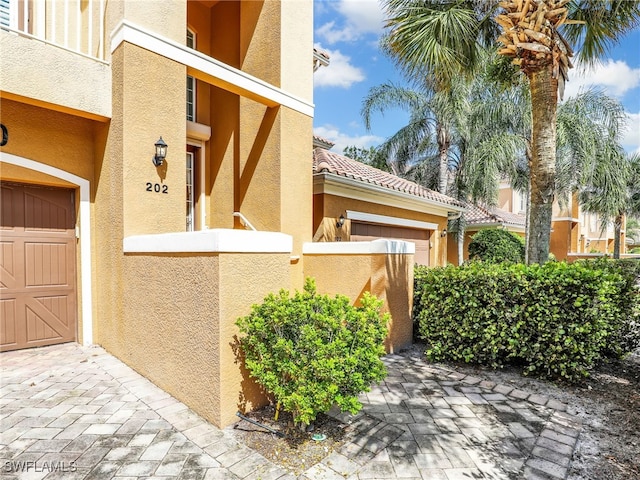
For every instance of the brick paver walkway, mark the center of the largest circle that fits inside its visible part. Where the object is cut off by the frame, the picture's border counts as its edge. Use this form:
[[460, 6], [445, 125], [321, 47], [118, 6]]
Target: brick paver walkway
[[71, 412]]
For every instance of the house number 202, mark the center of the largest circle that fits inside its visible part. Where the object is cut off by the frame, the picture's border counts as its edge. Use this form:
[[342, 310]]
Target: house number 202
[[156, 187]]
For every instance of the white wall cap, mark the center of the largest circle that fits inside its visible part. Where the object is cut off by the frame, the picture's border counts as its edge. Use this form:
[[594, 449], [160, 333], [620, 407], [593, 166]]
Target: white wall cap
[[214, 240], [380, 246]]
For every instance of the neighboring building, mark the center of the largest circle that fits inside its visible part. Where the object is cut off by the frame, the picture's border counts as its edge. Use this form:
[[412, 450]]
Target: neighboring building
[[573, 231], [479, 217], [354, 202], [105, 242]]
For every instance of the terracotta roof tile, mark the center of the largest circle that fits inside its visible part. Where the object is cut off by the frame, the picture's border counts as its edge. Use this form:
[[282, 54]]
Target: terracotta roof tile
[[480, 214], [321, 142], [331, 162]]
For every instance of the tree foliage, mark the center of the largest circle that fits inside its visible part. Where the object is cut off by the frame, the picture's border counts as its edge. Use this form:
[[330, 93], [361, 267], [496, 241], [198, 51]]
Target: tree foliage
[[495, 245]]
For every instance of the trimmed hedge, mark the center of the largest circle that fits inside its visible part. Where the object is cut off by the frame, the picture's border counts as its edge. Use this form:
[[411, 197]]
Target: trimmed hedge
[[555, 320], [495, 245]]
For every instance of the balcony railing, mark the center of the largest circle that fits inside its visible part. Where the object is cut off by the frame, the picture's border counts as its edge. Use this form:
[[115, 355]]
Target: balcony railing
[[75, 25]]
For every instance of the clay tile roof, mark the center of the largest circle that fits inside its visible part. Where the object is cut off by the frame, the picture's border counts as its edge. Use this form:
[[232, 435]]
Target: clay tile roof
[[331, 162], [480, 214], [321, 142]]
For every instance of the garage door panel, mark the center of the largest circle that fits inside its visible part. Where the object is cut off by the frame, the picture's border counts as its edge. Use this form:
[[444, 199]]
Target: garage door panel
[[10, 210], [46, 264], [8, 325], [8, 277], [365, 232], [45, 211], [46, 319], [37, 267]]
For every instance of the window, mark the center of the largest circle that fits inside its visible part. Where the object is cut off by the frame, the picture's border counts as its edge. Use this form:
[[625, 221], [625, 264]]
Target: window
[[593, 222], [522, 202], [191, 199], [191, 82], [5, 8]]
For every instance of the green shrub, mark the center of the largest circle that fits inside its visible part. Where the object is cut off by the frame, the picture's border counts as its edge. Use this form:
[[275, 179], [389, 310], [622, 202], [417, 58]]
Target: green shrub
[[555, 320], [311, 351], [627, 328], [495, 245]]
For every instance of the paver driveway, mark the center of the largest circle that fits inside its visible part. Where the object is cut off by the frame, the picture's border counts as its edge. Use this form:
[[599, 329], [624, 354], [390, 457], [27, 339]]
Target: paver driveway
[[77, 412]]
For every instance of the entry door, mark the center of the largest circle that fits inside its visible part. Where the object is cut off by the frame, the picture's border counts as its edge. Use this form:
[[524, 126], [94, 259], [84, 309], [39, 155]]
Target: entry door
[[37, 266]]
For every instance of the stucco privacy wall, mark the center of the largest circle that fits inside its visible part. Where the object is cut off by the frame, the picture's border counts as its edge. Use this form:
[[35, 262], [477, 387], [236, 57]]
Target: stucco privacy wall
[[179, 329], [382, 267], [182, 295]]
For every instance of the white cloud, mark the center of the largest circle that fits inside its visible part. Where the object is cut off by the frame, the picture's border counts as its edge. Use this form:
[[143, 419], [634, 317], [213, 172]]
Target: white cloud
[[361, 17], [342, 140], [616, 78], [340, 72], [631, 140]]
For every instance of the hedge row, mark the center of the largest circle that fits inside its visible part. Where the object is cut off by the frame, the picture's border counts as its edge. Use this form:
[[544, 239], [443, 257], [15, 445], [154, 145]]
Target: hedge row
[[554, 320]]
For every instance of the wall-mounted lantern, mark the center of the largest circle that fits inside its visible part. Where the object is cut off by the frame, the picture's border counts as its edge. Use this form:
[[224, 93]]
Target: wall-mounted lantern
[[161, 152], [340, 222], [443, 233]]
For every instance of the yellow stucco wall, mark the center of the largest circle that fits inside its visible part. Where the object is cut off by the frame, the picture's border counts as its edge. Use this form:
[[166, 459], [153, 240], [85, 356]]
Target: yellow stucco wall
[[31, 70], [152, 108], [168, 332], [179, 324], [388, 277], [245, 279]]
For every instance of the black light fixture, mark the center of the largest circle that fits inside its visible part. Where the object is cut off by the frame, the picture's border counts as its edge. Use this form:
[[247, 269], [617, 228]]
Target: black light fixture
[[340, 222], [161, 152], [444, 233]]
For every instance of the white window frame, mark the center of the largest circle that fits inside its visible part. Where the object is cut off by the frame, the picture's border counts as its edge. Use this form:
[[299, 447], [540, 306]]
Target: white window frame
[[191, 191], [191, 81]]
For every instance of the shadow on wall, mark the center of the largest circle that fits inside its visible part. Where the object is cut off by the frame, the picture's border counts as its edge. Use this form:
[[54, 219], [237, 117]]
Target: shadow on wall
[[251, 395]]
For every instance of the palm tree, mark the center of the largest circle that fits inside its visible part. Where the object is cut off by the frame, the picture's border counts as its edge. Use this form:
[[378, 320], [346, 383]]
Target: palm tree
[[442, 38], [450, 139], [614, 196]]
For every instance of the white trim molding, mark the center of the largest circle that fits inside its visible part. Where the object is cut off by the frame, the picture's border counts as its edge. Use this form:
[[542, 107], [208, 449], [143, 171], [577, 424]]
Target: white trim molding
[[565, 219], [387, 220], [85, 232], [216, 240], [332, 184], [381, 246], [208, 69]]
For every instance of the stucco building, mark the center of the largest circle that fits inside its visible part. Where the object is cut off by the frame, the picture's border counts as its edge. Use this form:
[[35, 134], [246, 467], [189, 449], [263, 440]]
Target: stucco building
[[157, 181], [574, 232]]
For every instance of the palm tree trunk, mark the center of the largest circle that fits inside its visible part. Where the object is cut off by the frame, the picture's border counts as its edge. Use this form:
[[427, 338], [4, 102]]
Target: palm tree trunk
[[544, 100], [617, 228], [443, 152]]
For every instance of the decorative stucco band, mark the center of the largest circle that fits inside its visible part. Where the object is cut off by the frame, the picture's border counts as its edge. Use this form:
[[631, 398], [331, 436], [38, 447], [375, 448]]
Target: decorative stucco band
[[208, 69], [214, 241]]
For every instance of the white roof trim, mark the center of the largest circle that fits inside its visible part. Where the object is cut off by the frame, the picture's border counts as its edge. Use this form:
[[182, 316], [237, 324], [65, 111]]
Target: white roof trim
[[332, 184], [211, 241], [380, 246], [208, 69], [387, 220]]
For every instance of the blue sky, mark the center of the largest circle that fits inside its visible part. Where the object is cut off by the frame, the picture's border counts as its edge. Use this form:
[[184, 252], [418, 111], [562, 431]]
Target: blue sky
[[349, 30]]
